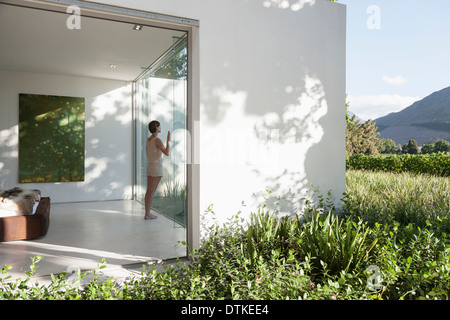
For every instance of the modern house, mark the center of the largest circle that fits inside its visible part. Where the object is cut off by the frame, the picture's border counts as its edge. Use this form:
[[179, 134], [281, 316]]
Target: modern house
[[252, 91]]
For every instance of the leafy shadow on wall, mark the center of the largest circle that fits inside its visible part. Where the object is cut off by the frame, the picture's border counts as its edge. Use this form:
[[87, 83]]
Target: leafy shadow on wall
[[287, 89]]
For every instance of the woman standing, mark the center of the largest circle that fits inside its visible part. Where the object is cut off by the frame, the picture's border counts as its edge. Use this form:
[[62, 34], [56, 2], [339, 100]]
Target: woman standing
[[154, 150]]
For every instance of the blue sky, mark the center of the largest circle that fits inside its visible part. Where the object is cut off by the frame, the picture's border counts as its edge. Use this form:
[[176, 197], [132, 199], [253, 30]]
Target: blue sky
[[398, 52]]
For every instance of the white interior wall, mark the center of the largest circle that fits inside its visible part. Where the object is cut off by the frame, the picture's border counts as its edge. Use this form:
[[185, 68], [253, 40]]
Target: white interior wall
[[272, 98], [108, 134]]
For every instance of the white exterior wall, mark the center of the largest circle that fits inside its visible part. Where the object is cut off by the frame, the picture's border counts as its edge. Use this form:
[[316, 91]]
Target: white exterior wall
[[266, 66], [108, 135], [271, 106]]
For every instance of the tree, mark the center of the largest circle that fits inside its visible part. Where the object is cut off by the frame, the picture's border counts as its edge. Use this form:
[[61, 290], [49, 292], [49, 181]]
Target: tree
[[388, 146], [361, 138], [427, 148], [411, 147], [442, 146]]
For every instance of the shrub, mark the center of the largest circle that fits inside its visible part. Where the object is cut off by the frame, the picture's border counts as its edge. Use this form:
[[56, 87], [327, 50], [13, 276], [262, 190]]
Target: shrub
[[434, 164], [413, 263], [335, 245]]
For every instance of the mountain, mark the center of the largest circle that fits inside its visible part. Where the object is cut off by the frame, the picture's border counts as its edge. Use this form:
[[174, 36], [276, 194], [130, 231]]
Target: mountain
[[422, 121], [351, 114]]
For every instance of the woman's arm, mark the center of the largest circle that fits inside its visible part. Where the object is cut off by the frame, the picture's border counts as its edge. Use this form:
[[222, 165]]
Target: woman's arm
[[159, 144]]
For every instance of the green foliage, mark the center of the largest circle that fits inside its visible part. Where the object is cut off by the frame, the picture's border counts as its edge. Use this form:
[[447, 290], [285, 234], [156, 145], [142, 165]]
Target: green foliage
[[389, 241], [176, 66], [437, 146], [380, 197], [388, 146], [427, 148], [409, 215], [361, 138], [335, 245], [411, 147], [60, 288], [413, 263], [435, 164], [442, 146]]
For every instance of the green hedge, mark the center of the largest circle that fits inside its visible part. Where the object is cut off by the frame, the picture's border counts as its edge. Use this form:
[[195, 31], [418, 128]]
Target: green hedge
[[435, 163]]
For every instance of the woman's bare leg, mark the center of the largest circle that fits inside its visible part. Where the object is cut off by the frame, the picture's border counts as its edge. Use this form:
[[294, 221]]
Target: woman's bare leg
[[152, 184]]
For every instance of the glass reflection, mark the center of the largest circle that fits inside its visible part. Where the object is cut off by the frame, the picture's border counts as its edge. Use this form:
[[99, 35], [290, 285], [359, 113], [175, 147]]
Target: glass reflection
[[160, 94]]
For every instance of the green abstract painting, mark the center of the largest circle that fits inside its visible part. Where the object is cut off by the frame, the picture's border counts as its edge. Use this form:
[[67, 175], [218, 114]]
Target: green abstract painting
[[51, 138]]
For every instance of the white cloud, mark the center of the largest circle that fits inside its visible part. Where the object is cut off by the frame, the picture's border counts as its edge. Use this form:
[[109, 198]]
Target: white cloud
[[397, 81], [372, 107]]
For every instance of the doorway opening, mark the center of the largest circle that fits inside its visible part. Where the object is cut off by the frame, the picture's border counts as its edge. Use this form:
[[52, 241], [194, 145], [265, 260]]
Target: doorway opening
[[127, 76]]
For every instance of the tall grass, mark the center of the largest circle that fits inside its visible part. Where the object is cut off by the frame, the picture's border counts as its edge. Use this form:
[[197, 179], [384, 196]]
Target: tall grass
[[406, 198]]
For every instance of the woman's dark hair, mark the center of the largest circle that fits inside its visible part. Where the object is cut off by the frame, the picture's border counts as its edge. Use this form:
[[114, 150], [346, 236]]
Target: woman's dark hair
[[153, 125]]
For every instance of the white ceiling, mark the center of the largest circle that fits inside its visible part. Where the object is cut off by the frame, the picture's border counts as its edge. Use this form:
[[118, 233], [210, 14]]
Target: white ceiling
[[39, 41]]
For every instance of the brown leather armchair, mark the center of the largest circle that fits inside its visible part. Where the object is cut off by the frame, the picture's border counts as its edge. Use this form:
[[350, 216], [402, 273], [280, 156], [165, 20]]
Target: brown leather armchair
[[26, 227]]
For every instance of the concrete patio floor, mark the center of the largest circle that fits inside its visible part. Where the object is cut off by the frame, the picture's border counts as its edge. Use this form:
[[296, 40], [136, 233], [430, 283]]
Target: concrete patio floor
[[82, 234]]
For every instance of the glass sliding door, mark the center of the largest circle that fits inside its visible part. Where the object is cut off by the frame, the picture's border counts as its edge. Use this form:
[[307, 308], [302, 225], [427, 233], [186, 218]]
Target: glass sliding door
[[160, 93]]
